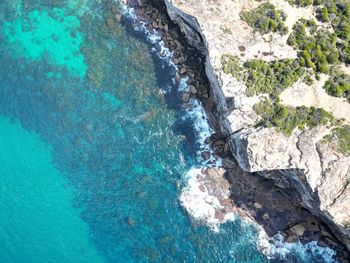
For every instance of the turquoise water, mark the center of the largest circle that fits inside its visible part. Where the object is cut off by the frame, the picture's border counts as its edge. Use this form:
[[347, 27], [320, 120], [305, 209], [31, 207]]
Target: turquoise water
[[92, 155], [37, 212]]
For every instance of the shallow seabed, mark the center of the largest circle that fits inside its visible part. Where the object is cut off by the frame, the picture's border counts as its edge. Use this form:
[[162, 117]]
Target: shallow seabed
[[92, 157]]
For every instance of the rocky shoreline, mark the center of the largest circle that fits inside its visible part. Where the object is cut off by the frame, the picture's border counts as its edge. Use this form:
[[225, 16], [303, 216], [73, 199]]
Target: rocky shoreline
[[277, 209]]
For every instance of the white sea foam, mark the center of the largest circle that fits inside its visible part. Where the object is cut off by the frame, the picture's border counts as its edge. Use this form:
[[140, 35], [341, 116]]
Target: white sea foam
[[159, 48], [196, 111], [183, 84], [203, 130], [276, 247], [200, 204]]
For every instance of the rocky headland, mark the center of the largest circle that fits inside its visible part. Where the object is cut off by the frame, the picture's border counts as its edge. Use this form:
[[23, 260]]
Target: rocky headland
[[297, 183]]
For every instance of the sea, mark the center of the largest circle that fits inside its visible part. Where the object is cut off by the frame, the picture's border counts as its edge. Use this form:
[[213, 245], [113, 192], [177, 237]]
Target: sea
[[96, 149]]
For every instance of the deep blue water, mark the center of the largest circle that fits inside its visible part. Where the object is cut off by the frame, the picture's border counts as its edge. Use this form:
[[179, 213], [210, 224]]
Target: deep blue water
[[92, 155]]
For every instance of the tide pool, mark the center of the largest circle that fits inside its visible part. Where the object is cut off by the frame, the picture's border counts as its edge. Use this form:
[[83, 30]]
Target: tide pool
[[93, 153]]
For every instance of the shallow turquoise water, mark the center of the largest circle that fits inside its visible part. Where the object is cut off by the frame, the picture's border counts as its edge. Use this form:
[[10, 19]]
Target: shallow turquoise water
[[37, 211], [92, 159]]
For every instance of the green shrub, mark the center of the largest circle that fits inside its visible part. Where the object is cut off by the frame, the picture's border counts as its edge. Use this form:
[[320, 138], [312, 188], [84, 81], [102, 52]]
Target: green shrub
[[286, 118], [324, 14], [343, 139], [301, 2], [271, 77], [334, 46], [338, 85], [265, 19], [318, 48], [230, 65], [343, 30], [262, 77]]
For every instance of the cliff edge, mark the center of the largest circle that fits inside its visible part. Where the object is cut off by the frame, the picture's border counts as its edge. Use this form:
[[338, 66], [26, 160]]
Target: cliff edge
[[305, 161]]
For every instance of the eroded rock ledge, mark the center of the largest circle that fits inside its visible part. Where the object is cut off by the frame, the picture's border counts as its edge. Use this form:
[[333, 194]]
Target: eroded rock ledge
[[309, 172]]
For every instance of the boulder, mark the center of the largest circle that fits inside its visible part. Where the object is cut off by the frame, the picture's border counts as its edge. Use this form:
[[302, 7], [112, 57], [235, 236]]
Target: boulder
[[292, 239], [297, 230], [193, 90], [183, 70], [186, 97], [205, 155], [265, 216], [257, 205]]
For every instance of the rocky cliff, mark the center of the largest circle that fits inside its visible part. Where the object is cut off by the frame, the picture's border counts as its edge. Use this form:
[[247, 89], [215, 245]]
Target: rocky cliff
[[310, 171]]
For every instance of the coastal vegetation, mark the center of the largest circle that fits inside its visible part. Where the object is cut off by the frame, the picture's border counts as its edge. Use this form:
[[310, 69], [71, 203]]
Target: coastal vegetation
[[302, 3], [271, 77], [230, 65], [319, 48], [265, 19], [337, 14], [342, 136], [322, 47], [338, 85], [226, 30], [262, 77], [286, 118]]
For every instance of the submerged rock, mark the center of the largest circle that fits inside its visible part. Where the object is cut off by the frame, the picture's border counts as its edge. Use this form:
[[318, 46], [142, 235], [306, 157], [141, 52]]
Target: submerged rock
[[131, 222]]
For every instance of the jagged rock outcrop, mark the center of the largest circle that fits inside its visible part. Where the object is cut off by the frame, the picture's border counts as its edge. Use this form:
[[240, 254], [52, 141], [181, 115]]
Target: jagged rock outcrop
[[334, 185], [318, 178], [192, 32]]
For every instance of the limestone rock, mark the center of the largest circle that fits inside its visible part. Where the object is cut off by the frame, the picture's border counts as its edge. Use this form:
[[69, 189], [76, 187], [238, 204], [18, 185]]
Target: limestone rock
[[298, 230], [193, 90], [257, 205], [292, 239], [323, 175], [186, 97], [312, 173]]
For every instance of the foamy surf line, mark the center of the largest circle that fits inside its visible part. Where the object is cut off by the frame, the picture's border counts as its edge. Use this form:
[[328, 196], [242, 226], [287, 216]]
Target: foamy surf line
[[276, 248], [199, 204], [196, 112]]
